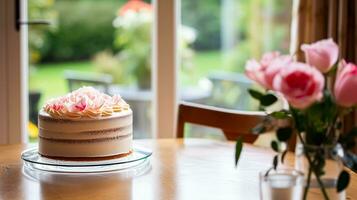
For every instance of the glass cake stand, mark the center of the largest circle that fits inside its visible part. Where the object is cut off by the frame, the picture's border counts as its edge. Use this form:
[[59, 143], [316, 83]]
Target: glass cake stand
[[137, 161]]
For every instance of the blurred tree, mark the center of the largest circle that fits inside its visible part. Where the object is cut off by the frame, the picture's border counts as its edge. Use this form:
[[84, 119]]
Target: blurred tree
[[84, 28], [133, 42], [263, 25], [133, 38], [204, 16], [40, 9]]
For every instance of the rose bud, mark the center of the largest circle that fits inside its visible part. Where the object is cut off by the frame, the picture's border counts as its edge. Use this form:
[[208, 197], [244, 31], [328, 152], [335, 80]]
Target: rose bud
[[346, 84], [256, 70], [322, 54]]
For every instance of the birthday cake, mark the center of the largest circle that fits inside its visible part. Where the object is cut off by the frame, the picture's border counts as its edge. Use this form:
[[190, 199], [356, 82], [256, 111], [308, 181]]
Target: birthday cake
[[85, 124]]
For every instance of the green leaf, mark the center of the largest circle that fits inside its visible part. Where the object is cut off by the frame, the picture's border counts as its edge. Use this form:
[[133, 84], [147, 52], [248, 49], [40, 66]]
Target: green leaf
[[255, 94], [283, 156], [342, 181], [319, 164], [280, 114], [268, 171], [274, 145], [299, 119], [258, 129], [268, 99], [275, 162], [283, 134], [239, 146]]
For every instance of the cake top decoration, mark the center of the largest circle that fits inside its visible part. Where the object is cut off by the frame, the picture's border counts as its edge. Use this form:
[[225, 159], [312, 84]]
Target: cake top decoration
[[86, 102]]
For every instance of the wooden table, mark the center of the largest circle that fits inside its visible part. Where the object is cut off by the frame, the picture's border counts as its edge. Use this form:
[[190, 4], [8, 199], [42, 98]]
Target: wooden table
[[181, 169]]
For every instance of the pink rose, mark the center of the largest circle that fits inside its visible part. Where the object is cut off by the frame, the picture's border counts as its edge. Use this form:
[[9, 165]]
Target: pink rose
[[256, 70], [274, 68], [346, 84], [322, 54], [300, 84]]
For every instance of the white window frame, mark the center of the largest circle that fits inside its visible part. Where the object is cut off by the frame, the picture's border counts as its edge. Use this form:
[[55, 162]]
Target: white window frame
[[14, 71], [13, 75], [165, 68]]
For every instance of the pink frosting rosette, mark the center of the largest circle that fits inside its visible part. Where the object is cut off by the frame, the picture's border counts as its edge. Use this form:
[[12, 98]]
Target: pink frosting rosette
[[86, 102]]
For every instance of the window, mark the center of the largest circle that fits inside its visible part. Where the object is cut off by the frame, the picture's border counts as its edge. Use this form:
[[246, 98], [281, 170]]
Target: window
[[217, 38], [106, 44]]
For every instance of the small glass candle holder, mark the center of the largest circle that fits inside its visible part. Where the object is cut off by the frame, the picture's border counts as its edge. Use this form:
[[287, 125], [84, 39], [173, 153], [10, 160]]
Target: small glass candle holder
[[287, 184]]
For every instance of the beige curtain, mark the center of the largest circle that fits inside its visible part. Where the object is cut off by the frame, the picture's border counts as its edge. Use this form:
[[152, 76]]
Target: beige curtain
[[318, 19]]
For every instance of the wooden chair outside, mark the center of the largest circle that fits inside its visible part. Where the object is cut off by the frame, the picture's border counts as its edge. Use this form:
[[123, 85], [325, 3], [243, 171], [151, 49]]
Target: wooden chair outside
[[233, 123], [76, 80]]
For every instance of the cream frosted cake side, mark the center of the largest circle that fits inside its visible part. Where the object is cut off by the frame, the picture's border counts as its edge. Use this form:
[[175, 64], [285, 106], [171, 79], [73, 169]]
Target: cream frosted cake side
[[85, 124]]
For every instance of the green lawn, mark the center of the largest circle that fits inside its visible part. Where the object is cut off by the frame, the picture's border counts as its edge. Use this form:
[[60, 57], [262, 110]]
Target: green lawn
[[203, 64], [49, 78]]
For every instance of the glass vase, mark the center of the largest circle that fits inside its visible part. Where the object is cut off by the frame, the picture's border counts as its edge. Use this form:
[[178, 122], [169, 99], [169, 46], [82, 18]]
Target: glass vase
[[284, 184], [328, 164]]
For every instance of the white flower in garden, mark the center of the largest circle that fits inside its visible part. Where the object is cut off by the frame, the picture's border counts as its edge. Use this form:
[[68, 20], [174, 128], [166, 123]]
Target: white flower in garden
[[188, 34], [145, 16], [132, 19]]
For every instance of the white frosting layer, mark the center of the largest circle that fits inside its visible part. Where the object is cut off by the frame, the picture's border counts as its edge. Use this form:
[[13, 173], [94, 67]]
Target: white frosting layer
[[92, 149], [116, 120], [109, 133]]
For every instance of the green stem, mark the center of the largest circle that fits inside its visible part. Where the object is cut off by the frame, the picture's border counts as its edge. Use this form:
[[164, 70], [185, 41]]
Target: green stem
[[330, 129], [308, 183], [322, 187]]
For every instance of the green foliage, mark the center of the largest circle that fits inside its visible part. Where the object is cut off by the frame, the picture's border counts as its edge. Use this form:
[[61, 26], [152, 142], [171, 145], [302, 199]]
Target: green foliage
[[245, 22], [106, 62], [319, 164], [48, 78], [317, 119], [264, 99], [283, 114], [84, 28], [268, 99], [133, 41], [275, 161], [238, 150], [40, 10], [256, 34], [255, 94], [299, 120], [205, 17], [274, 145], [343, 181], [284, 133]]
